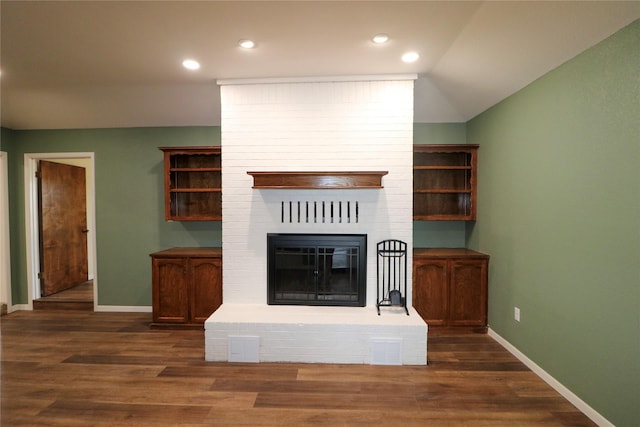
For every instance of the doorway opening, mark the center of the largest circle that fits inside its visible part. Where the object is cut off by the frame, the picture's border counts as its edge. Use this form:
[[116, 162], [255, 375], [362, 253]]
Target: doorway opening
[[83, 295]]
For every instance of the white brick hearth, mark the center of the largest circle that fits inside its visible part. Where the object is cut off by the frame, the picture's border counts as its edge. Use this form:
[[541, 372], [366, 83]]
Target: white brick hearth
[[364, 124], [318, 334]]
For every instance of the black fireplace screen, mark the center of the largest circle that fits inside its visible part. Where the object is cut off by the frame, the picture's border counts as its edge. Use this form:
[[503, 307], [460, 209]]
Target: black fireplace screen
[[317, 269]]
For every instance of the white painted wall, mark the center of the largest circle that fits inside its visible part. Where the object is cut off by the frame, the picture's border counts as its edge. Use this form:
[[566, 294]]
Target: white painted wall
[[361, 125]]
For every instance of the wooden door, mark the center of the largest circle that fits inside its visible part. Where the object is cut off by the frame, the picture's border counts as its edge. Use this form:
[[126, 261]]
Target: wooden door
[[430, 290], [170, 290], [206, 287], [62, 194], [468, 293]]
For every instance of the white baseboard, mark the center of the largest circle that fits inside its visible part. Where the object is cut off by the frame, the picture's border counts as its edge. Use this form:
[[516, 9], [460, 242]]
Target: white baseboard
[[546, 377], [124, 308], [104, 308]]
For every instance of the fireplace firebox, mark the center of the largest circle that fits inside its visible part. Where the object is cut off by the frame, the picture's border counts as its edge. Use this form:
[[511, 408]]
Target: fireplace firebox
[[317, 269]]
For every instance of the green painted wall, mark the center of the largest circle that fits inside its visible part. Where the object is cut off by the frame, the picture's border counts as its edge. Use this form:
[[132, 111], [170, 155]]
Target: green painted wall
[[560, 215], [5, 138], [129, 201], [129, 204], [434, 234]]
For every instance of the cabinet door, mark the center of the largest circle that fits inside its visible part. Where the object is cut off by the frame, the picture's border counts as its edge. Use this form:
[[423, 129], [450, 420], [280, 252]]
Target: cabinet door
[[430, 293], [170, 290], [206, 287], [468, 293]]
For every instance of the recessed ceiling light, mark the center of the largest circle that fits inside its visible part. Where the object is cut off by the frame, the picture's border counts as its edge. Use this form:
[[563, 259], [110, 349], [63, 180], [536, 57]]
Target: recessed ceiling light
[[380, 38], [246, 44], [410, 57], [191, 64]]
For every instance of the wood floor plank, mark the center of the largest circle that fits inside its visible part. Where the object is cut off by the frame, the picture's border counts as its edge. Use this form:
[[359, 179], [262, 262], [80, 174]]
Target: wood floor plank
[[236, 371], [119, 359], [66, 368], [119, 412], [345, 401], [379, 417], [328, 387]]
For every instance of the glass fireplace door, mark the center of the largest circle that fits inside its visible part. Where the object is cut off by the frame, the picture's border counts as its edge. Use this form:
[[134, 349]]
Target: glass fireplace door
[[296, 274], [316, 269]]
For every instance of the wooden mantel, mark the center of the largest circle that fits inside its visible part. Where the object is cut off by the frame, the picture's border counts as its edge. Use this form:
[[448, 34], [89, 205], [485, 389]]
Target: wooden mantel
[[318, 180]]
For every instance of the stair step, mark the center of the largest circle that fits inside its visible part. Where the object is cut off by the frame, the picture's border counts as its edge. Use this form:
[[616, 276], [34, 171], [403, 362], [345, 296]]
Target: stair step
[[63, 305]]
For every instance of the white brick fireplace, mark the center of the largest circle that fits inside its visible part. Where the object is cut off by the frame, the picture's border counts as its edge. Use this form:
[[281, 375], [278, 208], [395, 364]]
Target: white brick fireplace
[[329, 124]]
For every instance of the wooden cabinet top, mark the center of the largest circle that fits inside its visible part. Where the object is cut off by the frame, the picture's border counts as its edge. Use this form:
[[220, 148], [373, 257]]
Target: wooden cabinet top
[[188, 253], [215, 149], [444, 148], [448, 253]]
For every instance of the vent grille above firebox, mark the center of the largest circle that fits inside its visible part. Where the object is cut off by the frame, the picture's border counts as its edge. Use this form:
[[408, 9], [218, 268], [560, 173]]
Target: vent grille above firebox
[[313, 212]]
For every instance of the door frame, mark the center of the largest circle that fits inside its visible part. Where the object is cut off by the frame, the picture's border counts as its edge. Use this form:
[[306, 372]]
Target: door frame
[[5, 252], [32, 222]]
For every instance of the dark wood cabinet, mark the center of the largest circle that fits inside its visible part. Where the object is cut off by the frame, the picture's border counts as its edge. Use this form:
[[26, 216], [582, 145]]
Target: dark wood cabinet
[[192, 183], [450, 286], [445, 182], [187, 285]]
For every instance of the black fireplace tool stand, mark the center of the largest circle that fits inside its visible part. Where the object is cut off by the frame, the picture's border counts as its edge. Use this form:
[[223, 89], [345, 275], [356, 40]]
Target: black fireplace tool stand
[[392, 274]]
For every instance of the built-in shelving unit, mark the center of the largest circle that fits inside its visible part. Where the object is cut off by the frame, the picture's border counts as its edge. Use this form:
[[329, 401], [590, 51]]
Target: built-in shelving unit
[[445, 182], [450, 287], [186, 286], [193, 183]]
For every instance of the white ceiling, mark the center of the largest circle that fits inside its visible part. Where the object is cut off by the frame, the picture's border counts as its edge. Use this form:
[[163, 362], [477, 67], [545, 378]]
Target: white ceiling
[[86, 64]]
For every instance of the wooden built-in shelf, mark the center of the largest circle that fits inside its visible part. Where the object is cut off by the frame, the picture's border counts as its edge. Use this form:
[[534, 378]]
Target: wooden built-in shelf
[[445, 182], [193, 183], [317, 180]]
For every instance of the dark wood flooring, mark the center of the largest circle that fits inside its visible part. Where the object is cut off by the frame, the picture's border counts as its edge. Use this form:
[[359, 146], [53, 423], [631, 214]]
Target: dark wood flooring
[[76, 368]]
